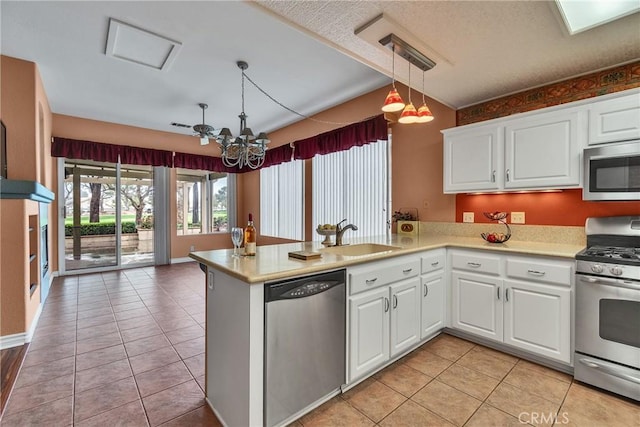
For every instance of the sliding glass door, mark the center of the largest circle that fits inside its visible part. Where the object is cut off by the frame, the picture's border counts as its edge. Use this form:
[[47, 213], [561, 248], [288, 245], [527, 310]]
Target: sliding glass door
[[108, 215]]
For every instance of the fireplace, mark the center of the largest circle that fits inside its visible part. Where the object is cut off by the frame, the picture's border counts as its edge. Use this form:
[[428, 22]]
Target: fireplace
[[45, 275]]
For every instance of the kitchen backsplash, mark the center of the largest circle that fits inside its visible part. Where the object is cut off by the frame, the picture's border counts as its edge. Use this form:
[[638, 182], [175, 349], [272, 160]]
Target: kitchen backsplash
[[532, 233]]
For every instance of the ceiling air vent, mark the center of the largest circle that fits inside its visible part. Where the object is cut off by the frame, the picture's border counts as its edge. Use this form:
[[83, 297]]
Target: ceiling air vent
[[180, 125]]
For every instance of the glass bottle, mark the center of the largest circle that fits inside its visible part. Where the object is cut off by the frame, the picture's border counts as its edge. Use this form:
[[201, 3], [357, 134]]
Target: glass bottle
[[250, 234]]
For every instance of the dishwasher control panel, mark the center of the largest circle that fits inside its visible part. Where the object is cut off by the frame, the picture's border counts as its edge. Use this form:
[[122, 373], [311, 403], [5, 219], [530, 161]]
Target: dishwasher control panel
[[304, 287], [308, 289]]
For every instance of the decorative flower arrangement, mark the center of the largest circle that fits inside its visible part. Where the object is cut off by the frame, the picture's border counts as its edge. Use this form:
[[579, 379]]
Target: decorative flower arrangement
[[403, 216]]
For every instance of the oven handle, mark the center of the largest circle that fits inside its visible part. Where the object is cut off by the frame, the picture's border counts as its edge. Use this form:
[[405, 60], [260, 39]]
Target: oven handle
[[607, 370], [611, 282]]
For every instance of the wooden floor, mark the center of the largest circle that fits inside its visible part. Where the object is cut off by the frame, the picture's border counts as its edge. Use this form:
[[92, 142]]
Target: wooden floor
[[10, 361]]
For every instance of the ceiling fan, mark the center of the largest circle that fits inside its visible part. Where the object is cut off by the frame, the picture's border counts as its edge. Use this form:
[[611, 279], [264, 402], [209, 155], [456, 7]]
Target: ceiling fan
[[204, 131]]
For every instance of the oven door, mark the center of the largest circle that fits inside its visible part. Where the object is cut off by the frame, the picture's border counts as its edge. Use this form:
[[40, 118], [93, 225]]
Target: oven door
[[608, 319], [612, 172]]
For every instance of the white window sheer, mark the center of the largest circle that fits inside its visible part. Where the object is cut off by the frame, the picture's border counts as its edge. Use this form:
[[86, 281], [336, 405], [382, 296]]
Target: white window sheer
[[353, 184], [282, 200]]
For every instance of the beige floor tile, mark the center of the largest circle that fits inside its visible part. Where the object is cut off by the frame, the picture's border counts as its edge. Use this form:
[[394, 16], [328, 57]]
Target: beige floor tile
[[586, 406], [544, 386], [488, 416], [426, 362], [522, 404], [374, 399], [448, 347], [469, 381], [447, 402], [403, 379], [336, 413], [410, 414], [487, 363], [495, 353], [539, 369]]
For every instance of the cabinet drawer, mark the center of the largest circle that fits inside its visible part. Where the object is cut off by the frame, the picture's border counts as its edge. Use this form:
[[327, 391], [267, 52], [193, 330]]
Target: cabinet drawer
[[432, 262], [382, 273], [546, 271], [488, 264]]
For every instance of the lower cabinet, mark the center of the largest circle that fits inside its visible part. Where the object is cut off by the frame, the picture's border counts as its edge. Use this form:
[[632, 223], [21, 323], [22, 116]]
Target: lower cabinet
[[383, 322], [432, 304], [477, 307]]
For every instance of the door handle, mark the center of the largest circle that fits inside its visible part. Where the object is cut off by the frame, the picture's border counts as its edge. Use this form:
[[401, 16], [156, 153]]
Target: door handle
[[506, 294], [407, 271], [371, 281], [426, 290], [474, 264], [386, 304], [395, 301], [507, 175], [536, 272], [493, 176], [498, 292], [433, 264]]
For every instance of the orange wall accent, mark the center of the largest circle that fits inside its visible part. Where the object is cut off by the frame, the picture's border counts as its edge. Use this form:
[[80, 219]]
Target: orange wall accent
[[543, 208]]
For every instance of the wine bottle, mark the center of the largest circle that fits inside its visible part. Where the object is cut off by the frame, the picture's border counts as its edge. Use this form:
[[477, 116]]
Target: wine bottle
[[250, 238]]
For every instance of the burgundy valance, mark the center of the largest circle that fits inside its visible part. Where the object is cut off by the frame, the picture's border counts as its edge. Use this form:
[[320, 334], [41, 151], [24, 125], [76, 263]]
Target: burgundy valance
[[207, 163], [85, 150], [145, 156], [278, 155], [357, 134]]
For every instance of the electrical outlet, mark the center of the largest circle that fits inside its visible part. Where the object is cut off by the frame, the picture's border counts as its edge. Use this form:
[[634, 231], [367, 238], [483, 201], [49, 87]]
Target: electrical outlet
[[517, 217], [192, 248], [425, 204], [468, 217]]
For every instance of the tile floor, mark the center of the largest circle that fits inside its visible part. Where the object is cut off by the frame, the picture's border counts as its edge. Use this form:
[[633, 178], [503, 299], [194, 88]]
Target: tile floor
[[127, 348]]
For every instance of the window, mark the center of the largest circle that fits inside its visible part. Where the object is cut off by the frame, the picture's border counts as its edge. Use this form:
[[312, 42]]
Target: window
[[353, 184], [204, 201], [282, 200]]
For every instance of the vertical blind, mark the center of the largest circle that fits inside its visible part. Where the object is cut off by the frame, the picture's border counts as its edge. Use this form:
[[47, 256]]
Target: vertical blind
[[353, 184], [282, 200]]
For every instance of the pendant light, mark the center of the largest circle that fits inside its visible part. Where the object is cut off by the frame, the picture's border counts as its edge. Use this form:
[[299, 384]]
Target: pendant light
[[409, 114], [393, 102], [424, 113]]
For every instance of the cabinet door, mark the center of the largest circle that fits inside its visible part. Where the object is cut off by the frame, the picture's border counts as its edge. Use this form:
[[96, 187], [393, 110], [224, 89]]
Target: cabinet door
[[432, 310], [477, 304], [471, 159], [537, 319], [369, 331], [544, 151], [615, 119], [405, 315]]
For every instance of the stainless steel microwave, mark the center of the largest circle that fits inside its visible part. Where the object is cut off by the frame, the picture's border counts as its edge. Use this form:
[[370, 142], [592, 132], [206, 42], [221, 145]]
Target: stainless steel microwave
[[612, 172]]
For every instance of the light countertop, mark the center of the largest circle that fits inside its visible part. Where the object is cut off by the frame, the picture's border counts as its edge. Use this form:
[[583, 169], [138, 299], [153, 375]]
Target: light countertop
[[273, 263]]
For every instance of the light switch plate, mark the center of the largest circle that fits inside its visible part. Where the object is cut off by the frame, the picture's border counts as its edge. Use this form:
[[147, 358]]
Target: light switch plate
[[517, 217], [468, 217]]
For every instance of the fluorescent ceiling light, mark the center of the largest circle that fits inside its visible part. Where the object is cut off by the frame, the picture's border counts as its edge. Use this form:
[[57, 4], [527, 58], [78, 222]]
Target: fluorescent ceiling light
[[582, 15]]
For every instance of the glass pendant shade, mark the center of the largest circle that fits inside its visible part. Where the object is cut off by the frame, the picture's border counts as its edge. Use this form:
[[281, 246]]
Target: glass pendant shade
[[393, 102], [424, 114], [409, 114]]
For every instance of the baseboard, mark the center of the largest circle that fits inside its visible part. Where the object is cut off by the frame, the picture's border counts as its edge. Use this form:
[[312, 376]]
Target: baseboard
[[15, 340], [181, 260], [34, 323]]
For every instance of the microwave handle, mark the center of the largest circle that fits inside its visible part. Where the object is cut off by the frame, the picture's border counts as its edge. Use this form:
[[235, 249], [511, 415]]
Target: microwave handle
[[611, 282]]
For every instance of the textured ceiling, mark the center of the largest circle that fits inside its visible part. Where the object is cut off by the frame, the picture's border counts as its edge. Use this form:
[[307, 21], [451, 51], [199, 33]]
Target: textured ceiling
[[304, 53]]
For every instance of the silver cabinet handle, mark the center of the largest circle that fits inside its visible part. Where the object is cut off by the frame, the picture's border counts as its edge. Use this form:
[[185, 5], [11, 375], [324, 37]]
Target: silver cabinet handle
[[507, 175], [369, 282], [395, 301], [493, 176], [609, 370], [536, 272], [426, 290], [498, 292], [506, 294], [386, 305], [407, 271], [433, 264], [474, 264]]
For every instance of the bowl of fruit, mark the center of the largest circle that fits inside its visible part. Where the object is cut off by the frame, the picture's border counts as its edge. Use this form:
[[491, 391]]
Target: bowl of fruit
[[495, 237], [326, 230]]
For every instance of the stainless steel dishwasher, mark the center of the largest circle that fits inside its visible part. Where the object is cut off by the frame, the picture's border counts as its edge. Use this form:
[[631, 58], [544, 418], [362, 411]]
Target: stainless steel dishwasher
[[305, 321]]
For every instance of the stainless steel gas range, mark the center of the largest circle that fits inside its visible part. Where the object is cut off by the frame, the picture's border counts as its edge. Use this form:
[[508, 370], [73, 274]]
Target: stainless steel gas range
[[607, 328]]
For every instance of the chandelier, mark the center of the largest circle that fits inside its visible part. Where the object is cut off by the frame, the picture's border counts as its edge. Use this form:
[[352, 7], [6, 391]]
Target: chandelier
[[244, 149]]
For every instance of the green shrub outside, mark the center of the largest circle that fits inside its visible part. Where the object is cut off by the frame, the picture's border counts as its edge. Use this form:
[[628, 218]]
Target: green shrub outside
[[99, 228]]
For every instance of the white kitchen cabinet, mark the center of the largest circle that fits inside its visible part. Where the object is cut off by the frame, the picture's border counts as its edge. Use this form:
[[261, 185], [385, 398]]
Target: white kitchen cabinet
[[405, 315], [432, 304], [543, 151], [537, 318], [615, 119], [477, 305], [473, 158], [369, 330]]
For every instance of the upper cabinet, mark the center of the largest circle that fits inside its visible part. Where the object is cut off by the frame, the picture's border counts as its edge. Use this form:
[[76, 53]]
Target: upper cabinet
[[539, 151], [616, 119]]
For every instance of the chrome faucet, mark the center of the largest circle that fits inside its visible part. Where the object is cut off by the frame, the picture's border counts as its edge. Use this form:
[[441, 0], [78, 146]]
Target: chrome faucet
[[340, 231]]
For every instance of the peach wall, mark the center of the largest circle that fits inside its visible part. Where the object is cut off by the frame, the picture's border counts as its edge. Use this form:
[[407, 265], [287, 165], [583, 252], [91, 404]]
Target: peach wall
[[543, 208], [416, 159]]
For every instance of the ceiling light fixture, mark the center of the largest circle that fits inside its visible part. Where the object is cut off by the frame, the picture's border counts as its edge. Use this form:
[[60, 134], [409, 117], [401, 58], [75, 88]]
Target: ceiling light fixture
[[245, 149], [414, 57], [393, 102]]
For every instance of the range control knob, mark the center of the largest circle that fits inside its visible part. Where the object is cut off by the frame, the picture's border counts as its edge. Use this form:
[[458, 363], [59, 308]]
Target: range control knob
[[597, 268], [616, 271]]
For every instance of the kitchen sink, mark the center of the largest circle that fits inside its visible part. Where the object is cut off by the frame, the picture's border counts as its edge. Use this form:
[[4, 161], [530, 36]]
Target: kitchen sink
[[359, 249]]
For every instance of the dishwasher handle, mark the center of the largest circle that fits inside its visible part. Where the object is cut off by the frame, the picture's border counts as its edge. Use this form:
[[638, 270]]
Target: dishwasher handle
[[303, 287]]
